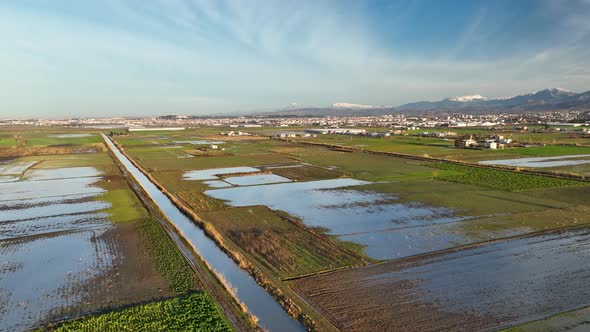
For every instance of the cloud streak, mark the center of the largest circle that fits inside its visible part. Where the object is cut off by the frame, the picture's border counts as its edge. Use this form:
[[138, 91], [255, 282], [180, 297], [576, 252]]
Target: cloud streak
[[205, 56]]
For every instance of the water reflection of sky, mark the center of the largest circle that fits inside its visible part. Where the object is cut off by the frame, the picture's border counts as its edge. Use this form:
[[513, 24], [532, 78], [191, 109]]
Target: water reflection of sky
[[388, 229], [257, 179], [524, 278], [541, 161], [211, 174], [50, 243]]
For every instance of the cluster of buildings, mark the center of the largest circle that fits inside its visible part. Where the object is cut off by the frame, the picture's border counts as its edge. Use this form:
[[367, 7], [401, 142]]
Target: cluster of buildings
[[490, 142], [571, 118], [234, 133]]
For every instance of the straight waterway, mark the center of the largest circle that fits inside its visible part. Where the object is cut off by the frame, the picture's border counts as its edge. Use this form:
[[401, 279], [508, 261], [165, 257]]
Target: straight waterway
[[261, 304]]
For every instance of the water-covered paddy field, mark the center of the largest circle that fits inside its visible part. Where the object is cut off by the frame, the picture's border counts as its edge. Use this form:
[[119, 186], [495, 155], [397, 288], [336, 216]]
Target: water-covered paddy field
[[287, 206], [485, 287], [70, 235]]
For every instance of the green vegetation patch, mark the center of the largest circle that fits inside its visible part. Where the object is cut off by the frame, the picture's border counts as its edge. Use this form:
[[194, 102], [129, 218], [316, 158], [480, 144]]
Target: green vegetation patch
[[192, 312], [499, 179], [169, 261], [7, 141], [124, 205], [44, 139]]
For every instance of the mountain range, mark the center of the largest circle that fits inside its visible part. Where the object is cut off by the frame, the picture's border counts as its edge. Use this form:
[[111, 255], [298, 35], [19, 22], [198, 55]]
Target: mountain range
[[544, 100]]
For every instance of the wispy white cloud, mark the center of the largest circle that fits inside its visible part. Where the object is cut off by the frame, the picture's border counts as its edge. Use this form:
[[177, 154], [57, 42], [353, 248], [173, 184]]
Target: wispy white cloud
[[195, 56]]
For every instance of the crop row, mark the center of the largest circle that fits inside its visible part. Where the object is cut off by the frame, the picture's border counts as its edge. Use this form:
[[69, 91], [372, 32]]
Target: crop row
[[191, 312], [169, 261], [499, 179]]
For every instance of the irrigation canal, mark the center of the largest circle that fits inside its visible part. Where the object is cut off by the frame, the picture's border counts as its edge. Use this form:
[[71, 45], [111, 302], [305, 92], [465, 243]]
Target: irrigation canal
[[271, 315]]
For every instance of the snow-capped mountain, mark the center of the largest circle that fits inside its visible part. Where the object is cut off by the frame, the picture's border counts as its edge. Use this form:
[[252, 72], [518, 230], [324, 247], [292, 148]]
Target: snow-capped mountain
[[464, 99], [543, 99], [355, 106], [548, 99]]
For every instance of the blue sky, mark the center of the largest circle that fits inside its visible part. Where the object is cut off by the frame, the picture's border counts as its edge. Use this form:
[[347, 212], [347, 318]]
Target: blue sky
[[114, 57]]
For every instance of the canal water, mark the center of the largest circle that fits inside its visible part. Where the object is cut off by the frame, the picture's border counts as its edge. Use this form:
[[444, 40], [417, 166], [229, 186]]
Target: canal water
[[261, 304]]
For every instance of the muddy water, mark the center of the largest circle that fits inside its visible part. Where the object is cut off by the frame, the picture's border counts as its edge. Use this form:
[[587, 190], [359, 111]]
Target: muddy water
[[259, 302], [51, 244], [387, 229], [15, 167]]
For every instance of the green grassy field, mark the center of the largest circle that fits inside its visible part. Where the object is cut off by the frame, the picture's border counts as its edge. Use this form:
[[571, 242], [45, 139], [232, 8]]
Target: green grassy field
[[440, 148], [498, 179], [192, 312]]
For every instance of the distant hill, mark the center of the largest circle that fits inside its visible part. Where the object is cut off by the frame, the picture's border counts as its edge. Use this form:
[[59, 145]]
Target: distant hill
[[548, 99]]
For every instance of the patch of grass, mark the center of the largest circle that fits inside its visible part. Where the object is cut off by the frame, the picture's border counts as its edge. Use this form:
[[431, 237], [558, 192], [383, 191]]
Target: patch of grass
[[199, 201], [500, 180], [124, 205], [48, 140], [169, 261], [7, 141], [192, 312]]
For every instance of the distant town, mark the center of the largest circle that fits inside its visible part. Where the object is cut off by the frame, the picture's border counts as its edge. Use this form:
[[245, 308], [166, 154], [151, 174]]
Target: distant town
[[570, 118]]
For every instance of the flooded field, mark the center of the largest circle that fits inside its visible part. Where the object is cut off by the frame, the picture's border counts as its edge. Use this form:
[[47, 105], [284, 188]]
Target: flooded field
[[261, 304], [371, 219], [481, 288], [358, 208], [61, 254], [541, 162], [251, 180], [212, 174], [54, 226]]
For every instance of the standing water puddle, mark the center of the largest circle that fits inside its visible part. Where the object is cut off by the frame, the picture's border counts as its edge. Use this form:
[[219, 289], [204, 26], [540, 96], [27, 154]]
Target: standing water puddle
[[541, 161], [211, 174], [367, 218], [250, 180], [271, 315]]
